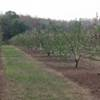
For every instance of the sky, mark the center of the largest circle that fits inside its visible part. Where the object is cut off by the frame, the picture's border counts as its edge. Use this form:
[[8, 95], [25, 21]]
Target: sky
[[54, 9]]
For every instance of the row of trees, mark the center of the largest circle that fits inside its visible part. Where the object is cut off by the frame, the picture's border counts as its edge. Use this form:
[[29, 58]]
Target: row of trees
[[75, 43]]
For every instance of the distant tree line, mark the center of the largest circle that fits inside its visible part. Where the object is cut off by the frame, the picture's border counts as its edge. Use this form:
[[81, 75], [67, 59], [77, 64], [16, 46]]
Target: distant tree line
[[12, 24]]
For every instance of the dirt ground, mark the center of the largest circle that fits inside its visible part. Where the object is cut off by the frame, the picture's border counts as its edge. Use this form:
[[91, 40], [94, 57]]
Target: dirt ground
[[87, 75], [2, 80]]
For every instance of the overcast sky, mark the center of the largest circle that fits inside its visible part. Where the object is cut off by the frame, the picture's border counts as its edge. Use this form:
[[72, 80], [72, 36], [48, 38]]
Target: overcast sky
[[55, 9]]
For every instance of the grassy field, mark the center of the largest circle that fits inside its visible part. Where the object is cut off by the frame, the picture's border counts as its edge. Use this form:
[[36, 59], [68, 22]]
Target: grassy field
[[28, 80]]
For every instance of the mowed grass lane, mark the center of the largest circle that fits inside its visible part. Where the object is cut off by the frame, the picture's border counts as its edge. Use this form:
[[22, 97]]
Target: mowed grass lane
[[27, 80]]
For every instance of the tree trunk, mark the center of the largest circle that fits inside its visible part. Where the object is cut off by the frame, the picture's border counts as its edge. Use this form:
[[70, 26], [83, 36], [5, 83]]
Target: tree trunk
[[77, 62], [48, 53]]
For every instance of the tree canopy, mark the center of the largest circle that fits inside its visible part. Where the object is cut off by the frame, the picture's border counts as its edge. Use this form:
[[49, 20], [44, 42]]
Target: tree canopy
[[11, 25]]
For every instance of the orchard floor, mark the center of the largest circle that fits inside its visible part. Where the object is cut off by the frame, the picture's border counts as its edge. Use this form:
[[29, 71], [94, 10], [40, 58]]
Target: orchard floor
[[87, 75], [29, 79]]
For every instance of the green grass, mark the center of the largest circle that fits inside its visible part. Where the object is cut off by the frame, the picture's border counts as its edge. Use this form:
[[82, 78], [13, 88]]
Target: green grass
[[28, 80]]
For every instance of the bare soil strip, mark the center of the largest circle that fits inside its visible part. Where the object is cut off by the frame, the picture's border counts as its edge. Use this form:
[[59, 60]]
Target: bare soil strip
[[87, 75], [2, 80]]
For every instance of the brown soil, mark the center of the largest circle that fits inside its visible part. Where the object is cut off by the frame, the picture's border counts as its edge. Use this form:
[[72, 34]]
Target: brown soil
[[2, 80], [87, 75]]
